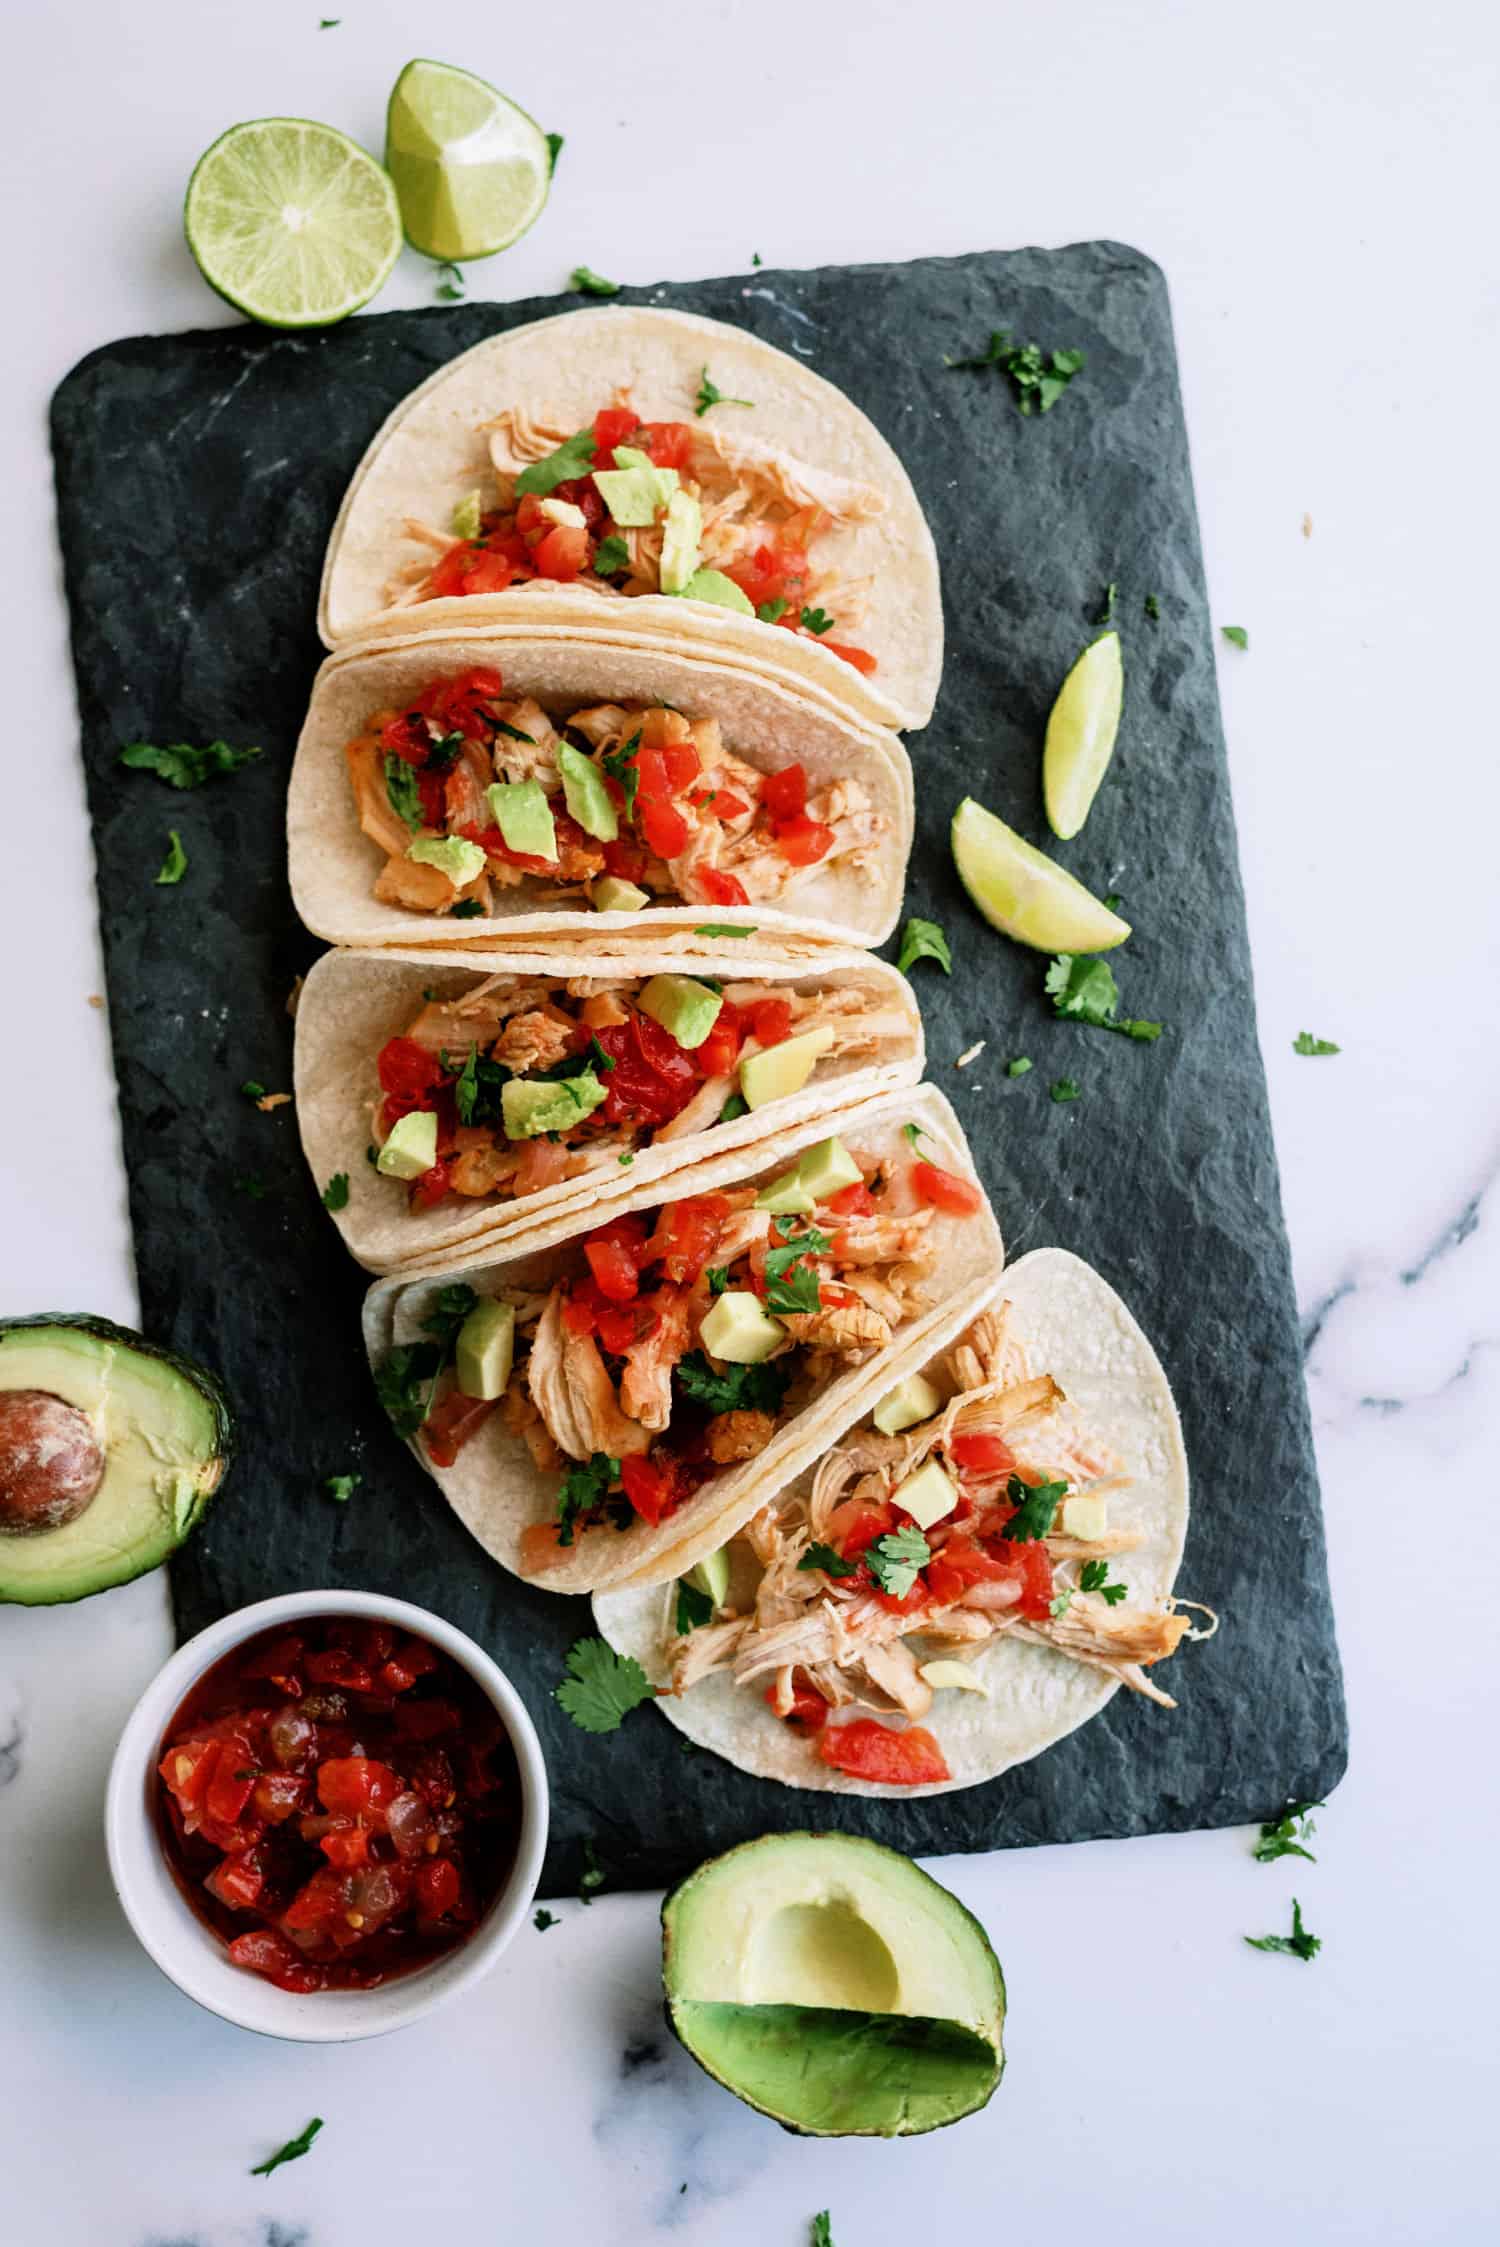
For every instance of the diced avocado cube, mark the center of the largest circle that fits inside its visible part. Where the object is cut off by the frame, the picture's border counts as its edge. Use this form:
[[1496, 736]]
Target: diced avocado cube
[[907, 1405], [531, 1105], [565, 513], [955, 1674], [636, 490], [466, 522], [1085, 1514], [786, 1196], [686, 1010], [461, 861], [681, 540], [485, 1349], [713, 585], [524, 817], [929, 1495], [783, 1069], [611, 895], [585, 794], [825, 1170], [411, 1147], [740, 1329], [711, 1575]]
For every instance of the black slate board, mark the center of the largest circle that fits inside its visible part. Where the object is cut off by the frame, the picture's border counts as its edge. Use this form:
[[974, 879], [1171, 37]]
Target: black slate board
[[197, 478]]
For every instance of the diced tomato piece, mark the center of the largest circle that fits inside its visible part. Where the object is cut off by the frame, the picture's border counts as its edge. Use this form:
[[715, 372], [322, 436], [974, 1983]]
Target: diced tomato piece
[[868, 1750], [784, 793], [614, 1270], [438, 1888], [450, 1424], [263, 1952], [407, 737], [855, 1524], [408, 1072], [850, 1201], [624, 857], [428, 1190], [233, 1778], [187, 1769], [629, 1231], [613, 425], [652, 1077], [715, 888], [670, 443], [336, 1666], [317, 1902], [859, 657], [562, 553], [980, 1454], [720, 1050], [348, 1848], [1035, 1570], [666, 771], [802, 841], [771, 1021], [687, 1233], [808, 1708], [472, 569], [237, 1881], [725, 806], [665, 829], [354, 1786], [649, 1487], [277, 1795], [945, 1191]]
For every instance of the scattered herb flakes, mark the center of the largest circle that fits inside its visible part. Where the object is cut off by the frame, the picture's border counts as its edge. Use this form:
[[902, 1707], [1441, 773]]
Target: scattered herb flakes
[[772, 612], [329, 23], [451, 286], [1063, 1088], [822, 2235], [923, 940], [722, 928], [1082, 988], [467, 909], [611, 554], [624, 1161], [336, 1192], [709, 394], [174, 865], [293, 2150], [584, 277], [252, 1090], [1037, 378], [586, 1484], [181, 765], [896, 1560], [1035, 1506], [1238, 637], [739, 1388], [1299, 1944], [817, 621], [912, 1132], [342, 1487], [1019, 1067], [401, 790], [1108, 609], [718, 1278], [574, 457], [404, 1381], [1094, 1577], [602, 1687], [1113, 902], [755, 258], [1285, 1836], [1305, 1042], [621, 765], [831, 1563], [545, 1919], [693, 1607], [555, 145], [591, 1879], [1153, 608], [735, 1105]]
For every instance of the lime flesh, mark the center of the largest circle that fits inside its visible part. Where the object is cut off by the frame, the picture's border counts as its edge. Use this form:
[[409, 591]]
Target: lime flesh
[[471, 169], [292, 222], [1021, 892], [1081, 734]]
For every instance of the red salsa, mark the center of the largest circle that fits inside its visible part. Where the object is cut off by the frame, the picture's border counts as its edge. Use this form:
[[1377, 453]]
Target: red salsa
[[339, 1802]]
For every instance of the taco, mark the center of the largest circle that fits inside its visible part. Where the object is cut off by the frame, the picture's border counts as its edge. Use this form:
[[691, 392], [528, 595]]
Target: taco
[[599, 1395], [634, 461], [500, 786], [976, 1563], [537, 1086]]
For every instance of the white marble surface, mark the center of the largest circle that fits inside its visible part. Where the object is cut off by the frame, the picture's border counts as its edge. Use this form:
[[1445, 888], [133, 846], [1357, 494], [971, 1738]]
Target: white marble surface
[[1319, 182]]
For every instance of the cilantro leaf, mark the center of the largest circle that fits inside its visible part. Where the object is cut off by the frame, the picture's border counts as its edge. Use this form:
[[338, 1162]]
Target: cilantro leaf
[[591, 283], [1094, 1577], [718, 1278], [450, 282], [897, 1559], [442, 754], [513, 733], [402, 792], [1063, 1088], [174, 865], [450, 1307], [792, 1285], [1035, 1508], [1153, 607], [181, 765], [817, 621], [1082, 988], [831, 1563], [336, 1192], [1037, 380], [923, 940], [739, 1388], [252, 1090], [1299, 1944], [735, 1105], [556, 142], [1237, 637], [1284, 1836], [467, 909], [584, 1486], [822, 2236], [573, 457], [912, 1132], [601, 1689], [543, 1919], [772, 612], [342, 1487], [722, 928], [293, 2150], [621, 765], [1018, 1067], [610, 555], [403, 1383], [1108, 609], [592, 1876], [693, 1607], [709, 394], [1305, 1042]]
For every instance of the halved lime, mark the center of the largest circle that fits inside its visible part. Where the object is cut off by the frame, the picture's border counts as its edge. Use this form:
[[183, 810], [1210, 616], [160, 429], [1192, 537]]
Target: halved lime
[[1081, 734], [471, 169], [1021, 892], [292, 222]]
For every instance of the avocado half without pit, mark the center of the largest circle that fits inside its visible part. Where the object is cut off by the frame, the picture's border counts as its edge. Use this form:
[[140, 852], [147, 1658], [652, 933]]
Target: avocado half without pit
[[110, 1450], [831, 1984]]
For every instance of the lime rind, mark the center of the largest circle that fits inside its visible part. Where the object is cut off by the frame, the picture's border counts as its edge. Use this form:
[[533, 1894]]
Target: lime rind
[[471, 169], [1081, 731], [291, 222], [1024, 893]]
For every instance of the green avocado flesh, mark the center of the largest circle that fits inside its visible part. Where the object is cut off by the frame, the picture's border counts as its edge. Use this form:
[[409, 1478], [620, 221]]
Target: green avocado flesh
[[830, 1983], [164, 1426]]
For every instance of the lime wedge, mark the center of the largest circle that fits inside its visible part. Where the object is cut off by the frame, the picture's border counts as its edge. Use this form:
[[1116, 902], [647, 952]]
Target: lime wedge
[[291, 222], [1022, 893], [1081, 734], [471, 169]]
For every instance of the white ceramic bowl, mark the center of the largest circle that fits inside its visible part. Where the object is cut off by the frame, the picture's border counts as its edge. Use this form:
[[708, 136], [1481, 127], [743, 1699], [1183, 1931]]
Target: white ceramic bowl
[[190, 1955]]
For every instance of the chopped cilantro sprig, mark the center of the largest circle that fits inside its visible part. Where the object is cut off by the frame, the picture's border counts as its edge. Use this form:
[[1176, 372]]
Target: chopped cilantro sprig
[[601, 1687]]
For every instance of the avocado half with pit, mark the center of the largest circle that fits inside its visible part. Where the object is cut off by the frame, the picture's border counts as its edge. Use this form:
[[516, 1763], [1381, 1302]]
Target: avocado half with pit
[[831, 1984], [110, 1450]]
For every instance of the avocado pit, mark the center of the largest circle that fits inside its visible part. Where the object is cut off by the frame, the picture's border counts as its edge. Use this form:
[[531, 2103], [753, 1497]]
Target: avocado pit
[[51, 1462]]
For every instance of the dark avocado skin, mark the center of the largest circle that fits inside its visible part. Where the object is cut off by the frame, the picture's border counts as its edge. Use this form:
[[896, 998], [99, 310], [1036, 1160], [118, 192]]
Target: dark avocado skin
[[918, 2074], [211, 1394]]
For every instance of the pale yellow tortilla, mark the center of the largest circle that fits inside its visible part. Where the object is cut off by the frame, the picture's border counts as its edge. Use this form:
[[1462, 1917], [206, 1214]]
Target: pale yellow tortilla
[[432, 451], [493, 1485], [353, 1001], [1076, 1328], [333, 866]]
